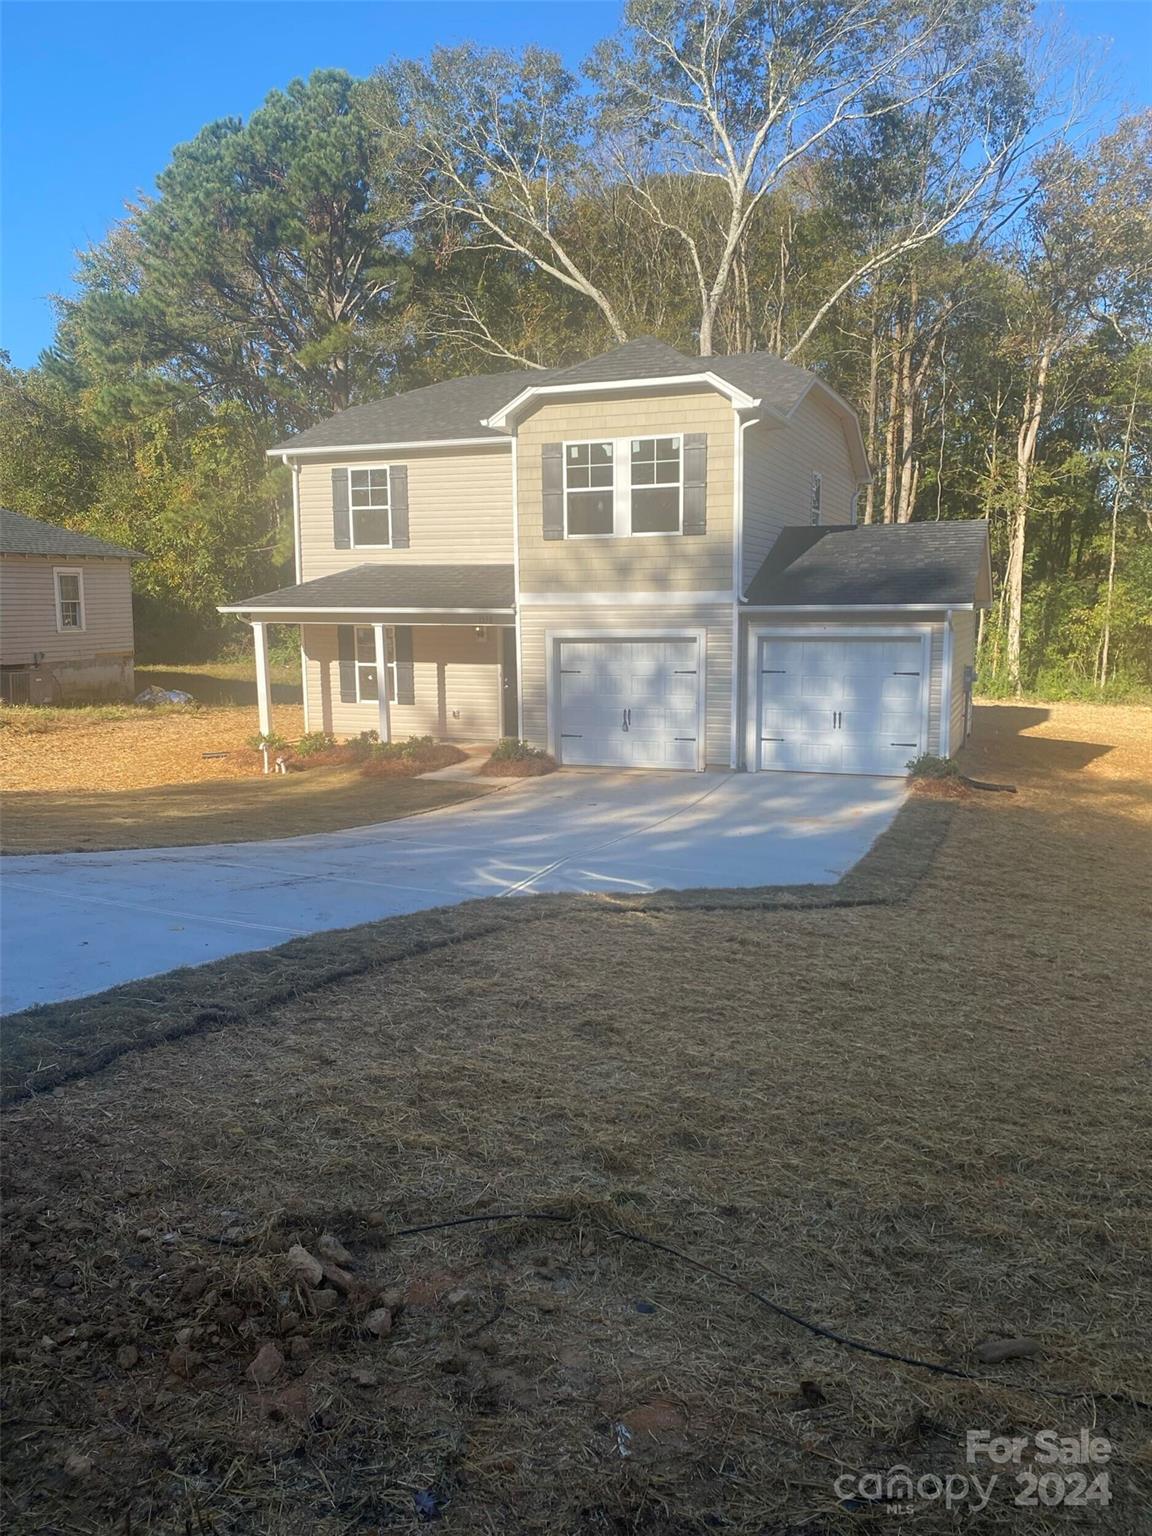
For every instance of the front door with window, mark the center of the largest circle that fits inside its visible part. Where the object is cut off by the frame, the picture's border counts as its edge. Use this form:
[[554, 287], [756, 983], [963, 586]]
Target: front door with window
[[367, 678]]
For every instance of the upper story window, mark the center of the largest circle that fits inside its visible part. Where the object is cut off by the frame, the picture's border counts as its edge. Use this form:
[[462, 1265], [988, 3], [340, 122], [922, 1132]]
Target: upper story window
[[69, 599], [369, 499], [656, 485], [624, 486], [817, 495], [589, 488], [367, 676]]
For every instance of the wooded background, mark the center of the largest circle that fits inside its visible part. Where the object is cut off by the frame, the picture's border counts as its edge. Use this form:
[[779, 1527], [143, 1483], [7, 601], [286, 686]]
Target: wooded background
[[908, 196]]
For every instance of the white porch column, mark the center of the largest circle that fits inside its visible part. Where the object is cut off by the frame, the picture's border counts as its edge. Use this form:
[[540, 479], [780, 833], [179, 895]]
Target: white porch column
[[263, 691], [385, 725]]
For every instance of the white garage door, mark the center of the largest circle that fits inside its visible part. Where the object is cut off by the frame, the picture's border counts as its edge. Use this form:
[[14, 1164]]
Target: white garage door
[[841, 706], [629, 703]]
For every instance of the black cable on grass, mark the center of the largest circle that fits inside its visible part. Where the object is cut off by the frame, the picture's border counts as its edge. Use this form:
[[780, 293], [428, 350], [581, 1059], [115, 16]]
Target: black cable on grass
[[821, 1332]]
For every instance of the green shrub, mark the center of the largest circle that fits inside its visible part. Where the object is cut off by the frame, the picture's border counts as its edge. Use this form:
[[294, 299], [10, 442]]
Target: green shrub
[[511, 750], [926, 766], [274, 742], [415, 746], [313, 742]]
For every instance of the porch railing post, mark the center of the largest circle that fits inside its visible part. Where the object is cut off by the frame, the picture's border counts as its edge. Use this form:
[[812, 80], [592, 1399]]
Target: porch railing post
[[263, 691], [385, 725]]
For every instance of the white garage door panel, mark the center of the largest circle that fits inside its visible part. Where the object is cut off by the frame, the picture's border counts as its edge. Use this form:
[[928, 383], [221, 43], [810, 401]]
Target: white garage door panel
[[629, 703], [841, 706]]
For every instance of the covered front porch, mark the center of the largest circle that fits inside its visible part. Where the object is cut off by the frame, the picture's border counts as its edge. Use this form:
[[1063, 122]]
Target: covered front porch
[[402, 650]]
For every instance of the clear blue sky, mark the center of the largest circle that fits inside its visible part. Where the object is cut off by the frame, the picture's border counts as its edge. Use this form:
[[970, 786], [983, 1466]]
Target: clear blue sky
[[96, 94]]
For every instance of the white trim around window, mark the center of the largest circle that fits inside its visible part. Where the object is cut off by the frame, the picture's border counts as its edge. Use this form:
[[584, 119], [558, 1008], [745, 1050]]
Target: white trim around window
[[609, 467], [70, 614], [375, 494], [817, 498], [367, 689]]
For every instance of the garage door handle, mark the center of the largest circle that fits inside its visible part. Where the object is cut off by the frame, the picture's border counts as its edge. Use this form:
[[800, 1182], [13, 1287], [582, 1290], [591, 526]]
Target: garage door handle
[[626, 722]]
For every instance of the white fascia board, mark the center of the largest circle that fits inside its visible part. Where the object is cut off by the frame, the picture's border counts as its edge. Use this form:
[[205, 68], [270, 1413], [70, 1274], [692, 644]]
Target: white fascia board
[[835, 608], [500, 420], [301, 615], [622, 599], [335, 450]]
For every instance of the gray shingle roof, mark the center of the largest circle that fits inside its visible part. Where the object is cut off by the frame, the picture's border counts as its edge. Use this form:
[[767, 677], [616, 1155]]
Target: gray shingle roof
[[20, 535], [933, 563], [457, 408], [644, 358], [454, 408], [384, 588]]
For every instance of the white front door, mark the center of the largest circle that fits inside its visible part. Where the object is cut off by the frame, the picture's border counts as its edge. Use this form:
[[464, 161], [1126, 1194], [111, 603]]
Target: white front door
[[629, 703], [841, 706]]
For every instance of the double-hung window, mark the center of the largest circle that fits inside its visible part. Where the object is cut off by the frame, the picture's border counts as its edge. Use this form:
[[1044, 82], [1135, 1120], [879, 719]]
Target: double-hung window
[[367, 678], [69, 599], [369, 504], [589, 489], [657, 482], [623, 486]]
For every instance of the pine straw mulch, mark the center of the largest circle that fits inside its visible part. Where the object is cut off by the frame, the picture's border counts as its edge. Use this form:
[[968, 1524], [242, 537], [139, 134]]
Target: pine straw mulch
[[146, 750], [922, 1121], [144, 782]]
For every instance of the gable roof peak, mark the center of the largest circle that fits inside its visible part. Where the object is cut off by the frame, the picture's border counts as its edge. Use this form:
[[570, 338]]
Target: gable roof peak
[[645, 357]]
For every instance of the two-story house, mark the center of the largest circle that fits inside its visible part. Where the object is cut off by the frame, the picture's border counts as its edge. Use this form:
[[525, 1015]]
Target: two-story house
[[646, 561]]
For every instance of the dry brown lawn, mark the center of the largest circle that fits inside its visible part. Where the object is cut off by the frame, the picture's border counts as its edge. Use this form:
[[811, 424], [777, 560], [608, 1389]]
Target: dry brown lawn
[[924, 1124], [84, 750], [92, 784]]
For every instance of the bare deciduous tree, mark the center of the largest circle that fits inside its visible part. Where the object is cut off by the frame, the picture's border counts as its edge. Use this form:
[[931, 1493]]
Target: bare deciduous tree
[[736, 93]]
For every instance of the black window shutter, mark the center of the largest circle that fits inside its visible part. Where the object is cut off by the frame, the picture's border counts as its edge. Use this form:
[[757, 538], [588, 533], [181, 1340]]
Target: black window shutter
[[341, 516], [346, 649], [398, 505], [695, 482], [552, 477], [405, 671]]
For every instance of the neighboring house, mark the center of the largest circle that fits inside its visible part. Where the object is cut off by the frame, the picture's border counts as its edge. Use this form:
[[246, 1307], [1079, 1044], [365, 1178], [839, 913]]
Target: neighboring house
[[65, 614], [645, 560]]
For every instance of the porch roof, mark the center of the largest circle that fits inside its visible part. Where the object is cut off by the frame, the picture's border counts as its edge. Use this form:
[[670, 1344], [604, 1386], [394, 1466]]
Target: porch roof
[[395, 588]]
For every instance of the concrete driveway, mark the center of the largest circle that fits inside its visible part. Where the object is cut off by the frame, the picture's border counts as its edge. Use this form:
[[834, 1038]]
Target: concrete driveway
[[76, 923]]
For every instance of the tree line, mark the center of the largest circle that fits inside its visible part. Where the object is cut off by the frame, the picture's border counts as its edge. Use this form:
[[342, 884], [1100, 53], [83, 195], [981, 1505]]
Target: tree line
[[902, 195]]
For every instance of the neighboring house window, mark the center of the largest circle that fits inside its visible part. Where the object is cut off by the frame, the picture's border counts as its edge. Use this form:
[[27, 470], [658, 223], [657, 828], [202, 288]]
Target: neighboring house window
[[817, 489], [623, 486], [69, 599], [589, 489], [369, 501], [367, 684], [656, 485]]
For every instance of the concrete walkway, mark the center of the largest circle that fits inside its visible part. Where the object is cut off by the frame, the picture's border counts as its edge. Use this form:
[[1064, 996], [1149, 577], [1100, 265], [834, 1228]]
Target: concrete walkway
[[76, 923]]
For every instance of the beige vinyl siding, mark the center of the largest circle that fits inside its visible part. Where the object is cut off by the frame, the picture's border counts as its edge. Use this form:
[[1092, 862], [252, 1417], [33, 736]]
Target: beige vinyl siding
[[963, 655], [832, 623], [28, 609], [457, 686], [656, 562], [459, 509], [779, 462], [716, 619]]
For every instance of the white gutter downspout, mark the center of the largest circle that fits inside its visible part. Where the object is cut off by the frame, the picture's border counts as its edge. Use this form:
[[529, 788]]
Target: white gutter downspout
[[516, 597], [946, 688], [739, 428], [299, 567]]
